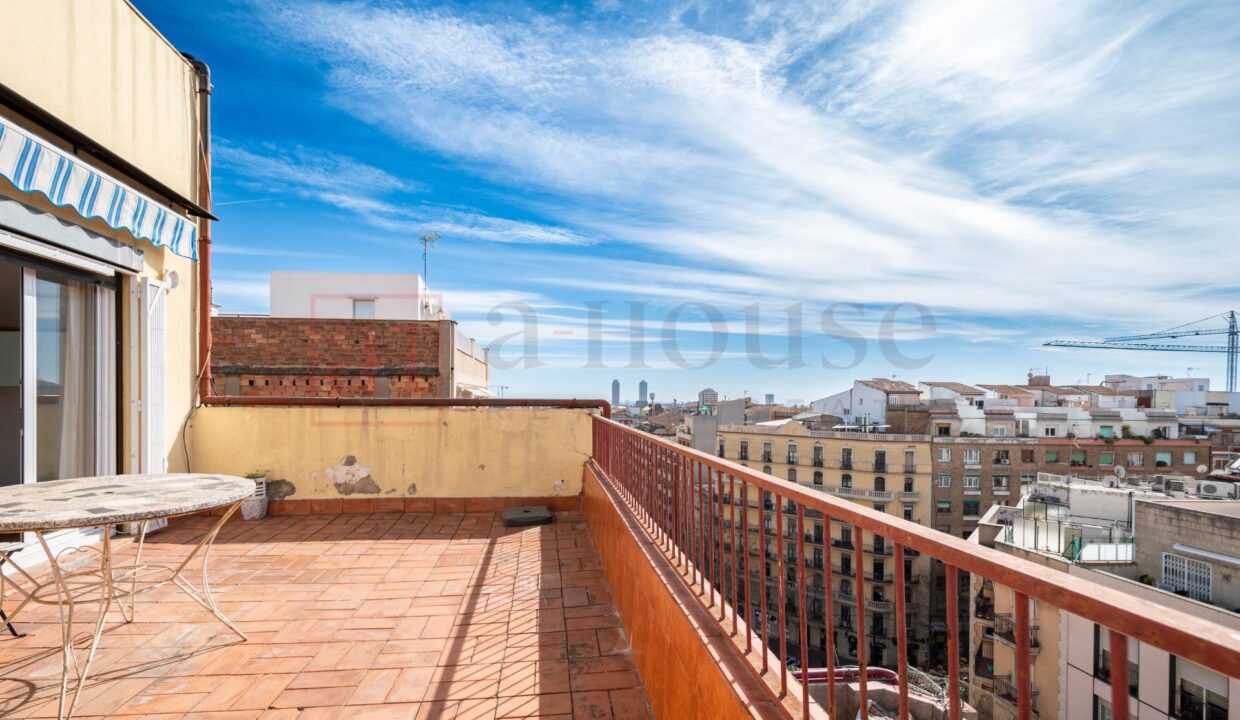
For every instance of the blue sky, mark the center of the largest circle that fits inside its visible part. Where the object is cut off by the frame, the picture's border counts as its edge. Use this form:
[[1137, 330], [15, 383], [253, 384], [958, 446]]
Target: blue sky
[[1017, 171]]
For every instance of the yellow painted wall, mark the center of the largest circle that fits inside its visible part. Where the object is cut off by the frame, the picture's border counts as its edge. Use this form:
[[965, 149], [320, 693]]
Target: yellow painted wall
[[406, 451], [470, 372], [99, 66]]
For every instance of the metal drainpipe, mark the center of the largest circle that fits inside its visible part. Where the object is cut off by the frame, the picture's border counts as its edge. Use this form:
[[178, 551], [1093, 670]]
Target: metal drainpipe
[[204, 227]]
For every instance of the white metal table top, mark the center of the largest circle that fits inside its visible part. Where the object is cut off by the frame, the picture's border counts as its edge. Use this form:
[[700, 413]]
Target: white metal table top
[[107, 500]]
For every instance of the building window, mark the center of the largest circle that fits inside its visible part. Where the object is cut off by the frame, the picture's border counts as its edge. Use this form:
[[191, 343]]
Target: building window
[[1000, 483], [1186, 576], [945, 480], [1102, 660], [1190, 457], [972, 456], [943, 430], [1001, 431], [1162, 459], [945, 454], [846, 480], [1026, 456], [972, 482], [1052, 456], [972, 508], [363, 309], [880, 507], [944, 506], [818, 462], [880, 460], [766, 452], [1107, 431], [744, 450], [1106, 458], [1003, 457], [1077, 458], [880, 484], [908, 484], [766, 469], [1050, 432], [846, 459], [792, 474], [908, 513], [792, 453], [1197, 702], [722, 446], [818, 477], [1136, 459]]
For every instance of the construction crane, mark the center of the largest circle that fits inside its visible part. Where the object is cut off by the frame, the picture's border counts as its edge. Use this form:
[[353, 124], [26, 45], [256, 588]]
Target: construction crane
[[1132, 342]]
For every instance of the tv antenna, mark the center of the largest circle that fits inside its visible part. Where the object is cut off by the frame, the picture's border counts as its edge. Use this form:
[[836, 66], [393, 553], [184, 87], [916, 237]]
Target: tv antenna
[[428, 241]]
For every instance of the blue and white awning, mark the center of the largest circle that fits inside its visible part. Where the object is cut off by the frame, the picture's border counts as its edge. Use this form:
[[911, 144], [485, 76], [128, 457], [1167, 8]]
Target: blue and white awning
[[35, 165]]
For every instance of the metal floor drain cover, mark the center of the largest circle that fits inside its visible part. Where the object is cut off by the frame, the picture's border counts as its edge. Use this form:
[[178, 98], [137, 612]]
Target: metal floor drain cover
[[526, 515]]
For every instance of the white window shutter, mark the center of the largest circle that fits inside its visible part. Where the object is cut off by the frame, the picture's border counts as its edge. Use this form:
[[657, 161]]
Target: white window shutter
[[153, 392]]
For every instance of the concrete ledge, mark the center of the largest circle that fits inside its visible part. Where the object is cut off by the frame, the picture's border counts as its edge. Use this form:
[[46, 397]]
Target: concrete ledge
[[364, 505], [690, 666]]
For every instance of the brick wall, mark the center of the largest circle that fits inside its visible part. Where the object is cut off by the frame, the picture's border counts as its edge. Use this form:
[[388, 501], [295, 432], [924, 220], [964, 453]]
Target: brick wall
[[309, 357]]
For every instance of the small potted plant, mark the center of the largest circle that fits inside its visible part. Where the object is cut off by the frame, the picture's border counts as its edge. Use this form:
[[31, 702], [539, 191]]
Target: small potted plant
[[255, 506]]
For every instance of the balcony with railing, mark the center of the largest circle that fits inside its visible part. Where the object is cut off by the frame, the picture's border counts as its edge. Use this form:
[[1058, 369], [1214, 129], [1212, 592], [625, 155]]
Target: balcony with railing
[[873, 604], [1005, 630], [1005, 691], [854, 492], [657, 482]]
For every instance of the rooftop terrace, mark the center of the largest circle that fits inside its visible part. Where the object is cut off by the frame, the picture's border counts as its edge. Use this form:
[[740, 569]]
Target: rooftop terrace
[[384, 586], [359, 616]]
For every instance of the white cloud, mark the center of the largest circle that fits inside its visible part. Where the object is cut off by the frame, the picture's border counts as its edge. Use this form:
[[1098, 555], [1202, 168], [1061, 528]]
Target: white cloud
[[375, 196], [979, 158]]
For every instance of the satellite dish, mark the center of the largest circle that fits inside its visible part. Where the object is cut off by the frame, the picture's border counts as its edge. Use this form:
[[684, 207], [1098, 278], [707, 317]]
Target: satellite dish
[[1120, 471], [1202, 469]]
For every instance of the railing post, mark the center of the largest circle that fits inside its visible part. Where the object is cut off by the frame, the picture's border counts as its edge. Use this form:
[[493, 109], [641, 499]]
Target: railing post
[[762, 621], [953, 641], [1024, 685], [1119, 675], [783, 600], [803, 611], [901, 632], [863, 673], [748, 565]]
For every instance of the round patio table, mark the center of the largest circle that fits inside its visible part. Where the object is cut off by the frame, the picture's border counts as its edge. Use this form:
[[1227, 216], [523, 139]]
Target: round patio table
[[103, 502]]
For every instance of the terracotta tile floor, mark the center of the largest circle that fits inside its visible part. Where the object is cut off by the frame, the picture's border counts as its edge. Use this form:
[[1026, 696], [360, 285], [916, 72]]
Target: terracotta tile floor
[[355, 617]]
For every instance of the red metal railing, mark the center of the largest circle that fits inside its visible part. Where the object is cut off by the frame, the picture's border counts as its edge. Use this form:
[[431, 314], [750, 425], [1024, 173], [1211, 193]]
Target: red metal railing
[[688, 503]]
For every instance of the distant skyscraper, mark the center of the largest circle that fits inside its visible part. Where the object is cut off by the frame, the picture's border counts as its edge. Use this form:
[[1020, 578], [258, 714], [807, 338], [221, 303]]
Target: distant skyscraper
[[708, 396], [642, 399], [615, 392], [770, 398]]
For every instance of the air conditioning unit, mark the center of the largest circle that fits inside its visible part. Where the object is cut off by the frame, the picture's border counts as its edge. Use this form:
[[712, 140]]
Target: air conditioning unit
[[1216, 489]]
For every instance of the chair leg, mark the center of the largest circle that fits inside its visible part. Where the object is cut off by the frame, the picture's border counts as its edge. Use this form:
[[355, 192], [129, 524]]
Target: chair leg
[[5, 618]]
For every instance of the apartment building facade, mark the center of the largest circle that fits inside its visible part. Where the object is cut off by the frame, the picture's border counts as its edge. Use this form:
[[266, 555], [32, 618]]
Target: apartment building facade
[[1178, 548], [888, 472]]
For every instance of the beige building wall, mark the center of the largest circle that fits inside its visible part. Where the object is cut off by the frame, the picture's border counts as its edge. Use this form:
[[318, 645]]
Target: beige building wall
[[313, 453], [91, 64], [829, 478], [1046, 621], [102, 68]]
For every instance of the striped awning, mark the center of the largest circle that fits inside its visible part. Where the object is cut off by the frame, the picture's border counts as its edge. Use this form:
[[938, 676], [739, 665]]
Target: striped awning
[[35, 165]]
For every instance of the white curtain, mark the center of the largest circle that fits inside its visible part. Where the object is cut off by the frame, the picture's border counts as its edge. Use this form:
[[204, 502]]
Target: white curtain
[[77, 390]]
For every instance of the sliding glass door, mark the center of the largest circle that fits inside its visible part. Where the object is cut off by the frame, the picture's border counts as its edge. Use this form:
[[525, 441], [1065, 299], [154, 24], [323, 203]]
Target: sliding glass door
[[57, 372]]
